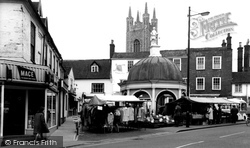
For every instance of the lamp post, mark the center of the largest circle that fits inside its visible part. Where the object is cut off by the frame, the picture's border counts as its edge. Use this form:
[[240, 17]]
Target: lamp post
[[189, 16]]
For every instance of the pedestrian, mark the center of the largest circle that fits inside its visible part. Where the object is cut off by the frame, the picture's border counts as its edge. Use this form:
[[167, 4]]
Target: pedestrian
[[187, 119], [40, 126], [234, 112], [210, 115], [177, 114], [215, 113], [219, 114]]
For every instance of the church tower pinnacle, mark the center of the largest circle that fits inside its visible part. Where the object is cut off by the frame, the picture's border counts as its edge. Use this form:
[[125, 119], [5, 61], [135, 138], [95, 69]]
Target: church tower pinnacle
[[138, 33]]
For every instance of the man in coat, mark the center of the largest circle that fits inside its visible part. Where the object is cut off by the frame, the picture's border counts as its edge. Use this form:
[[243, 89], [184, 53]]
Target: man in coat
[[234, 112], [177, 114]]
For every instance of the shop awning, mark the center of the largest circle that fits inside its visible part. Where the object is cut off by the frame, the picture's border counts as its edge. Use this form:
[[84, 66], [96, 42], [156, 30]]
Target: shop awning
[[216, 100]]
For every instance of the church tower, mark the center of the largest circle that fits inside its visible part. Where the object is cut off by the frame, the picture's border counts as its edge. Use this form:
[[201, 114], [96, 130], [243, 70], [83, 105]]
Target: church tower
[[138, 33]]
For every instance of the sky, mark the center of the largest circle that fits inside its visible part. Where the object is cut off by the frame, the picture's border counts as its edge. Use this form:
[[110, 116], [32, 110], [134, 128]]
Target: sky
[[84, 29]]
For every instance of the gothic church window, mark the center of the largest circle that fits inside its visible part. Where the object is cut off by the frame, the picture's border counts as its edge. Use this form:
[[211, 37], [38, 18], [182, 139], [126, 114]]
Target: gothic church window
[[137, 46]]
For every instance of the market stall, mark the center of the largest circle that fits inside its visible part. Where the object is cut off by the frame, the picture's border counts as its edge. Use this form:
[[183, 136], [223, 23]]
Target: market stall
[[113, 112], [197, 106]]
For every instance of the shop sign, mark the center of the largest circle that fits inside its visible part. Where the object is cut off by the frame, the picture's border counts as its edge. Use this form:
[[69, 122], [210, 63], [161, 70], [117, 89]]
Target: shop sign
[[211, 28], [26, 74]]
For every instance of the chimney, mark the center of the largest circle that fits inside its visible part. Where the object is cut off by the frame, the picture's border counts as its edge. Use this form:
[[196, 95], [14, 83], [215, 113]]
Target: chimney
[[240, 51], [246, 58], [112, 49], [223, 43], [229, 44]]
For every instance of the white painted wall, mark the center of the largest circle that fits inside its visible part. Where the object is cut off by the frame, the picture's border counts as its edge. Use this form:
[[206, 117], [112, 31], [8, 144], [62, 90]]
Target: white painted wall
[[85, 86], [245, 91], [119, 71]]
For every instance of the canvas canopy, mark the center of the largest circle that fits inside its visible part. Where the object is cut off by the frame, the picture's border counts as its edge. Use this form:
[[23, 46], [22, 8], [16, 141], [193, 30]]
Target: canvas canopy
[[194, 104], [219, 100], [237, 101], [96, 101], [100, 100], [119, 98]]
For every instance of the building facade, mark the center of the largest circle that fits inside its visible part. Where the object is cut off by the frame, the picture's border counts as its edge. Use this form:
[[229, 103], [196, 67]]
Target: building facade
[[241, 78], [91, 77], [210, 68], [31, 73]]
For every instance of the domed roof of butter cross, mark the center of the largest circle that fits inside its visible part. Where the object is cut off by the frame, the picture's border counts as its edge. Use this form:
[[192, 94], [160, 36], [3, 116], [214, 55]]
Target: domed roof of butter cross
[[154, 68]]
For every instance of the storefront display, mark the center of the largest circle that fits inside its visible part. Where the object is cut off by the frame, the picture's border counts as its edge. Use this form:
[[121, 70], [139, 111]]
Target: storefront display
[[51, 108]]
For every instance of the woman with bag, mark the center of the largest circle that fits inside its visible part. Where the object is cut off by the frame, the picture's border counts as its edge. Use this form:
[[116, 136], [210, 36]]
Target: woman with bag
[[40, 126]]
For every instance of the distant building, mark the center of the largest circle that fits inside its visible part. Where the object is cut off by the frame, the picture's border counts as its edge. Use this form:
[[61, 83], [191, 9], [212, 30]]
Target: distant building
[[138, 33], [241, 79]]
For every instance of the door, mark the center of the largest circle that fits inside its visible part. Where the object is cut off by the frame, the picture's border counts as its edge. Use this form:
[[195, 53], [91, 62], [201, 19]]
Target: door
[[14, 112]]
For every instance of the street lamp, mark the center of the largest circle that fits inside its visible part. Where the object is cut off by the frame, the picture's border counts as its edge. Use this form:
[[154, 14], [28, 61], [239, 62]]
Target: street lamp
[[189, 16]]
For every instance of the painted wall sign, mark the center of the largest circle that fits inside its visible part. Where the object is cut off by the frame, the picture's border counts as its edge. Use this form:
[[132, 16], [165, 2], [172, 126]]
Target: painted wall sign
[[26, 74], [211, 28]]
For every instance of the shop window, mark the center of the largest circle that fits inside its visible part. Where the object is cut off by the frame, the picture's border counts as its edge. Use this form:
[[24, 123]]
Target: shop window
[[35, 101], [51, 108]]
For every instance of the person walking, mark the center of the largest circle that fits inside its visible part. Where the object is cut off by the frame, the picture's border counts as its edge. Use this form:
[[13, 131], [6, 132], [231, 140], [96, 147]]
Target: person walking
[[187, 119], [210, 115], [219, 114], [40, 126], [215, 114], [234, 112], [177, 114]]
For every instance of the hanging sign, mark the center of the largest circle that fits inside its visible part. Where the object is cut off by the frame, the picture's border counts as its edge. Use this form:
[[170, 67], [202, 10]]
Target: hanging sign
[[211, 28], [26, 74]]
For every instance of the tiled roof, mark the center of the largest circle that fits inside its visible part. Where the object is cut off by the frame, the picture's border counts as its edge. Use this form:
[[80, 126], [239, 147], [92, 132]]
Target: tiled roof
[[173, 53], [67, 70], [130, 55], [241, 77], [145, 54], [81, 68]]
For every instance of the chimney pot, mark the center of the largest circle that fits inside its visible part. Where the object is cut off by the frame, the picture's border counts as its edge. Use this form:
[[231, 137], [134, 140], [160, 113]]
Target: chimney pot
[[223, 43]]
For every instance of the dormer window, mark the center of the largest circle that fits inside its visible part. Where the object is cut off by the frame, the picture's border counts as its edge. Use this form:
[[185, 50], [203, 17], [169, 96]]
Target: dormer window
[[94, 68]]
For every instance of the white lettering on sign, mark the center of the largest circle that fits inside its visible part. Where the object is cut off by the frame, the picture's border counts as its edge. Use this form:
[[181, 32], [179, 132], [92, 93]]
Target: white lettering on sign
[[212, 27], [27, 73]]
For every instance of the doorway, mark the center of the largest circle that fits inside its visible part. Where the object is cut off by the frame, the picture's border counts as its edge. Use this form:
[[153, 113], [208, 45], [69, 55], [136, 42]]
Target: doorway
[[14, 112]]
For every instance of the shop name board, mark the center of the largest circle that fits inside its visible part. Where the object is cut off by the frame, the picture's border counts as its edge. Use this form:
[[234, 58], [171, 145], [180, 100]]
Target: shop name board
[[211, 28], [26, 74]]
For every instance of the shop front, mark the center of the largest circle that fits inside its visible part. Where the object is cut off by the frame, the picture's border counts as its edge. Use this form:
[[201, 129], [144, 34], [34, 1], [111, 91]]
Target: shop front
[[24, 88]]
